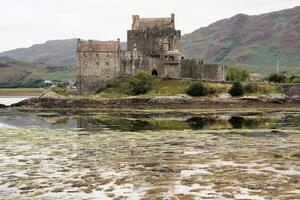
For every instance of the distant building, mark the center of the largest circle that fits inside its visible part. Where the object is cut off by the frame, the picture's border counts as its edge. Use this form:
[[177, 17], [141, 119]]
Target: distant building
[[152, 45]]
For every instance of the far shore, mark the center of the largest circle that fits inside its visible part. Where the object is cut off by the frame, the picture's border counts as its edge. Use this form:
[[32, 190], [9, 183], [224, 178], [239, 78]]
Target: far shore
[[21, 91]]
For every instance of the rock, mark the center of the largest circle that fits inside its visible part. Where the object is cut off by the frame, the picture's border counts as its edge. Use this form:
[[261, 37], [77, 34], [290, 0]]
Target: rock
[[87, 190], [277, 98], [2, 106], [182, 99], [56, 190], [263, 96], [296, 155], [223, 97], [295, 97], [250, 98], [51, 95], [163, 169], [79, 184]]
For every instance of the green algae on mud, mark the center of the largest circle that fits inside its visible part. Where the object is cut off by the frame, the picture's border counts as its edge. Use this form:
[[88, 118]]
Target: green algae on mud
[[157, 155], [50, 163]]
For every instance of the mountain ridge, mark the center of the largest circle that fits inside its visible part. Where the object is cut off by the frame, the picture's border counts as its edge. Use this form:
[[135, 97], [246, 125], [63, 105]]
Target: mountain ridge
[[256, 42], [253, 41]]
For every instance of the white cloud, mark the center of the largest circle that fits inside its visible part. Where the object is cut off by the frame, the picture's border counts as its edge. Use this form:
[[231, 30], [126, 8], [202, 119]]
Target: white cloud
[[26, 22]]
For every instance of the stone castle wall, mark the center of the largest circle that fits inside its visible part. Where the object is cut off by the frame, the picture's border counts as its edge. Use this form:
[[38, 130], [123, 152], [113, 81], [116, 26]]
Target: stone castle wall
[[150, 41], [95, 69], [152, 45], [291, 89], [195, 69]]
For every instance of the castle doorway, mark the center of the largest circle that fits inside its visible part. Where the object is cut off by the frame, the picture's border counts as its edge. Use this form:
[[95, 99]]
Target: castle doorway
[[154, 73]]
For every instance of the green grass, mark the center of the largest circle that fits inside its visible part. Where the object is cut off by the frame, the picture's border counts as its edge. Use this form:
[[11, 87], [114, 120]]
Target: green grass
[[161, 87], [263, 89], [172, 87], [168, 87]]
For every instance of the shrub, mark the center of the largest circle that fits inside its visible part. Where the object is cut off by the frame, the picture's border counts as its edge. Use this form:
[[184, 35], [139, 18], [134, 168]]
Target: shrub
[[278, 78], [237, 89], [251, 88], [295, 79], [196, 89], [235, 74], [141, 83], [59, 90], [216, 88]]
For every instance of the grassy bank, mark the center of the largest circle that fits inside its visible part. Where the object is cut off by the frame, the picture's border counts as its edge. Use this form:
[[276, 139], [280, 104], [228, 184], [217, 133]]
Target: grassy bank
[[173, 87], [21, 91]]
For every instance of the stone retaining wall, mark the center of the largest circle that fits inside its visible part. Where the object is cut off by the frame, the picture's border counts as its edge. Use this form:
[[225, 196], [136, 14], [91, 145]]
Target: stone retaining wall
[[291, 89]]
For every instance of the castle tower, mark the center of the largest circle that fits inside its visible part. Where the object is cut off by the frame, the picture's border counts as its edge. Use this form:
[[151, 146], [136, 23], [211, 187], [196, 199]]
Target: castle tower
[[166, 45]]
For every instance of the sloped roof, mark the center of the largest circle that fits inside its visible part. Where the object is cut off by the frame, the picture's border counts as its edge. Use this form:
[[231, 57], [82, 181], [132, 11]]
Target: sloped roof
[[100, 46], [148, 23]]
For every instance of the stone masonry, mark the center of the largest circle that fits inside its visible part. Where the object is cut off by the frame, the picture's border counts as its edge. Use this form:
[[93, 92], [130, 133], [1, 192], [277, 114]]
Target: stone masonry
[[152, 45]]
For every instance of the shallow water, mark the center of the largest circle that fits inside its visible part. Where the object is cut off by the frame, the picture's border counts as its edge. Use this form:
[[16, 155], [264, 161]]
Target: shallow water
[[47, 156], [9, 100]]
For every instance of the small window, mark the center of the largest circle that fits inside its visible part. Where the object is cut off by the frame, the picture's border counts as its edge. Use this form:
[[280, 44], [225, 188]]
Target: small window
[[97, 55], [107, 63]]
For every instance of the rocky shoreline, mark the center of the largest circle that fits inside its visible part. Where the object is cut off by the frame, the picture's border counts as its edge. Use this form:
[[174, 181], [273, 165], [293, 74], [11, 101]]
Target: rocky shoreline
[[2, 106], [54, 101]]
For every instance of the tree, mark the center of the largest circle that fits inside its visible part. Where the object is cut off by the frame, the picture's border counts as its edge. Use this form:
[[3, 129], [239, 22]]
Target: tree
[[141, 83], [278, 78], [237, 89], [196, 89], [235, 74]]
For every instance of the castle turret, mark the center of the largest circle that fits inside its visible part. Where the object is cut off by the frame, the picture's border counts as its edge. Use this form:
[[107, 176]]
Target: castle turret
[[135, 19]]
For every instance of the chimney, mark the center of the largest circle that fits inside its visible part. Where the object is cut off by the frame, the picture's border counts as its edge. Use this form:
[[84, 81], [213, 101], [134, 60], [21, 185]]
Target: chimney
[[135, 18], [173, 16]]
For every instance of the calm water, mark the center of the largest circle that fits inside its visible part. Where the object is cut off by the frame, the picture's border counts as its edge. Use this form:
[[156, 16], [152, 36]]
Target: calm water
[[8, 100], [150, 156]]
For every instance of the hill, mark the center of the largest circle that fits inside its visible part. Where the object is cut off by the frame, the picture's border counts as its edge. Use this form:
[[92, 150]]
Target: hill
[[57, 52], [54, 52], [256, 42], [20, 74]]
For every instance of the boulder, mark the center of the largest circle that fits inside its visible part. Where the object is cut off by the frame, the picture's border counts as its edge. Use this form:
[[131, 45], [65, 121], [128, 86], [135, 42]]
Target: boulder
[[51, 95], [295, 97], [182, 99], [277, 98], [224, 97], [250, 98]]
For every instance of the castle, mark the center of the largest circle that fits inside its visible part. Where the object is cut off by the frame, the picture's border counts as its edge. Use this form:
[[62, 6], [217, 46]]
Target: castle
[[152, 45]]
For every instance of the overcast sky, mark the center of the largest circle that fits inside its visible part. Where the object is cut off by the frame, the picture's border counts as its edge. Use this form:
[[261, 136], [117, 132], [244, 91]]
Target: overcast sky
[[27, 22]]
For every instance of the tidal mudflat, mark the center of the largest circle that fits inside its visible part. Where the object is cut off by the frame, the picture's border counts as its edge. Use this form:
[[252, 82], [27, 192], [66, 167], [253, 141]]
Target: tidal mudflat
[[43, 156]]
